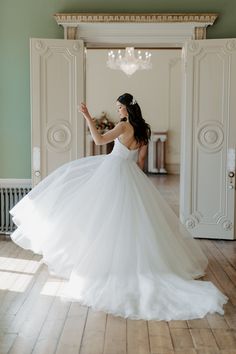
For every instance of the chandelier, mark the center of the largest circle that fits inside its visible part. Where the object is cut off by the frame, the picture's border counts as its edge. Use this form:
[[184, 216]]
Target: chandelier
[[129, 64]]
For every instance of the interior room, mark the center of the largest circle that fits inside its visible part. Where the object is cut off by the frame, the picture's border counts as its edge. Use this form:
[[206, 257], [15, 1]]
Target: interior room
[[109, 244], [158, 90]]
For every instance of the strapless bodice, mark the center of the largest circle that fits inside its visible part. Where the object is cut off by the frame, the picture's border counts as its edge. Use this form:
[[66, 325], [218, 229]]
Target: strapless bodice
[[121, 150]]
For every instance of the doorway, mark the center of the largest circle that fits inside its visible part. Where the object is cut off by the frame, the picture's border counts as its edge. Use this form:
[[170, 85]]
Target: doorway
[[158, 92]]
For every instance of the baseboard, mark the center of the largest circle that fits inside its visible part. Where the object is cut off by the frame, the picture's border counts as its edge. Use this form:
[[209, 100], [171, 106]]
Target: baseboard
[[5, 237], [173, 168], [11, 182]]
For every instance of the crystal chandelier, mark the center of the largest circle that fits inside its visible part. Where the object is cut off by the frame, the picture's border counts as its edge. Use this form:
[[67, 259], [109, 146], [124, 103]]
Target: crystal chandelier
[[129, 64]]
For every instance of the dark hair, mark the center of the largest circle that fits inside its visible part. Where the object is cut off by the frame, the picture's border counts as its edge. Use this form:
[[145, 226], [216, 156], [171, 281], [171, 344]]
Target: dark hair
[[142, 131]]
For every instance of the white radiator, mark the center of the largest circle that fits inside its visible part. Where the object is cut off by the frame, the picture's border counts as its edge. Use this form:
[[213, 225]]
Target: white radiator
[[9, 196]]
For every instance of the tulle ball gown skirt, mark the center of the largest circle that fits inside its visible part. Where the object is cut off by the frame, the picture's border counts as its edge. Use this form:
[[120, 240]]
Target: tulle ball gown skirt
[[100, 223]]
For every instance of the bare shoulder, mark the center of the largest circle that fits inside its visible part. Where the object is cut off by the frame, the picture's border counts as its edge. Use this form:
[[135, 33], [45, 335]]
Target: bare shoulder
[[121, 124]]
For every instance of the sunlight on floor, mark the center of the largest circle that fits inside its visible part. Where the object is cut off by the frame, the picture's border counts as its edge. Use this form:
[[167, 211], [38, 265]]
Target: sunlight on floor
[[19, 265], [14, 281], [52, 287], [16, 274]]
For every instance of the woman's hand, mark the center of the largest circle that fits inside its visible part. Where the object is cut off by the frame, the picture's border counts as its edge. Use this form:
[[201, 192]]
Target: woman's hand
[[84, 110]]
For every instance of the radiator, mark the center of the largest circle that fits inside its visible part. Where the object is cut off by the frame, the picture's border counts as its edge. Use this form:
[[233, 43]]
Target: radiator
[[9, 196]]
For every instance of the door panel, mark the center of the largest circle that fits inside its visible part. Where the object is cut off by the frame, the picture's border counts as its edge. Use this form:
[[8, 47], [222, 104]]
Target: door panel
[[56, 90], [207, 202]]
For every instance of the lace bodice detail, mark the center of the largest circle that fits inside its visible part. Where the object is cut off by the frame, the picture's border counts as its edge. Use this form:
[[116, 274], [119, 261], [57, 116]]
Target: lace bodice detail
[[121, 150]]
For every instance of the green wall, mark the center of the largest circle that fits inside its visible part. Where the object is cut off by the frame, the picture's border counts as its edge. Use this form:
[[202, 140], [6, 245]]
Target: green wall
[[22, 19]]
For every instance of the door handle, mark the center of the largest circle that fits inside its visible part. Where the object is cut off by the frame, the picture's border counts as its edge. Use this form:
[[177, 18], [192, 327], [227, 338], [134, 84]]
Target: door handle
[[231, 175]]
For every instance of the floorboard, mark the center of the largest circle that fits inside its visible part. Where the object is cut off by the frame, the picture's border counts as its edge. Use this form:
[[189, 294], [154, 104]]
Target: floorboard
[[33, 319]]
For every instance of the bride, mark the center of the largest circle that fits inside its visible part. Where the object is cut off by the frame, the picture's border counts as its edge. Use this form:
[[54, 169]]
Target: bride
[[101, 224]]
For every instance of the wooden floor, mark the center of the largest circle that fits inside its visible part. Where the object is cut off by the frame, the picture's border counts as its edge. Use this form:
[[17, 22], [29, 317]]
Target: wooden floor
[[34, 320]]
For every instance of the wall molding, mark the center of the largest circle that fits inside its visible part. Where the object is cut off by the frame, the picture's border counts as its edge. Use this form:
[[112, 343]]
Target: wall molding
[[75, 18], [14, 182]]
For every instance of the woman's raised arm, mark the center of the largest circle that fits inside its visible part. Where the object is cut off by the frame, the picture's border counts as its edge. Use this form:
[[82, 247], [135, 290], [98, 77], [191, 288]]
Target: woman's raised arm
[[101, 139]]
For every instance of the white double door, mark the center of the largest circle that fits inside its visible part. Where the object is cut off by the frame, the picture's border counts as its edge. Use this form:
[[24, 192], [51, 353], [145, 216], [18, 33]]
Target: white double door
[[207, 192]]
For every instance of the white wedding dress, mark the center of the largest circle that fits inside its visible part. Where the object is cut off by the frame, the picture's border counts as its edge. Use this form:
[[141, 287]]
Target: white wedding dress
[[100, 223]]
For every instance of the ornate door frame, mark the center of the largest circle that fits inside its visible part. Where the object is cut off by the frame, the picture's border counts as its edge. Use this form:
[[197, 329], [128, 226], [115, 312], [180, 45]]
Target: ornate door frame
[[151, 30]]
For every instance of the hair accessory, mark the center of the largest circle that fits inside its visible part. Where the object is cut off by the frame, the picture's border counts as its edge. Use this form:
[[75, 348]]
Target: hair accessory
[[133, 101]]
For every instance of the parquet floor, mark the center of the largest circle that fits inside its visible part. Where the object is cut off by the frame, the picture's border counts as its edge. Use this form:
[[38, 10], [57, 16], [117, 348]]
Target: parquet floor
[[33, 319]]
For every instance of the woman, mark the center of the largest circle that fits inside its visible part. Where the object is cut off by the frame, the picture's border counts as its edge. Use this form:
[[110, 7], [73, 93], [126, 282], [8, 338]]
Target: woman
[[100, 223], [133, 131]]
